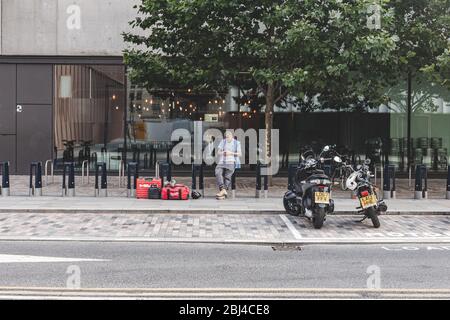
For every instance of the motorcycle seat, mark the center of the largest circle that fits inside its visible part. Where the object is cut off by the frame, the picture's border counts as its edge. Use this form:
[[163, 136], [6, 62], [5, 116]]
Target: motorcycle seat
[[318, 176]]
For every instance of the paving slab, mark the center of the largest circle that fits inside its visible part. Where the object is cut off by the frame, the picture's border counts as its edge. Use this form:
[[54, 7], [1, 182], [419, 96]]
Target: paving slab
[[220, 228]]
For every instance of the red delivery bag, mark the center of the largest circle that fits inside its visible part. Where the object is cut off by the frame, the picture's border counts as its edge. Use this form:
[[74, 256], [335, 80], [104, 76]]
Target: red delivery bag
[[143, 184], [176, 192]]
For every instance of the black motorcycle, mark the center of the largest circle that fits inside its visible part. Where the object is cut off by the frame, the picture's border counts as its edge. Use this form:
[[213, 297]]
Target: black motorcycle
[[370, 205], [311, 192]]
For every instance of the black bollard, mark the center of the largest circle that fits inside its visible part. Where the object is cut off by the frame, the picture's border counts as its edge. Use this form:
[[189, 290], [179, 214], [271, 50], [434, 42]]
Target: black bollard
[[101, 190], [4, 172], [259, 178], [69, 174], [36, 172], [165, 171], [421, 183], [389, 182], [132, 170], [198, 168], [448, 183], [292, 169]]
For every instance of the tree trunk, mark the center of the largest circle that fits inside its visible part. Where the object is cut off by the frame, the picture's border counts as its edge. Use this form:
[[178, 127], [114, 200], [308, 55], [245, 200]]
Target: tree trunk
[[268, 124]]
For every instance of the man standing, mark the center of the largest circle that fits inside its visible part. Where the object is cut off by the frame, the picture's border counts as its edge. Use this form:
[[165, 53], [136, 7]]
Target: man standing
[[229, 151]]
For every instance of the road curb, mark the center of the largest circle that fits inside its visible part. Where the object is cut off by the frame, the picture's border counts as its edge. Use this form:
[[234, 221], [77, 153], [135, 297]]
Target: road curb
[[304, 241], [203, 211], [220, 293]]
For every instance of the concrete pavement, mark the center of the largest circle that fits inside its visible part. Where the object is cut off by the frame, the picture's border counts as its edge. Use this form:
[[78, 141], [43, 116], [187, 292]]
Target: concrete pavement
[[240, 205]]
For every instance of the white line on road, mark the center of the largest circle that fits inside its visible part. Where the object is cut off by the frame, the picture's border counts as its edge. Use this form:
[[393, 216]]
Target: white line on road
[[12, 258], [291, 227]]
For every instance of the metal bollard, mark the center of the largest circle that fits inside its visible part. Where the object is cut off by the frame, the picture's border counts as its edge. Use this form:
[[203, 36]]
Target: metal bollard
[[292, 169], [165, 171], [421, 184], [4, 172], [198, 168], [121, 172], [69, 173], [389, 182], [36, 187], [233, 184], [259, 166], [102, 189], [131, 190], [94, 157], [85, 168], [448, 183], [51, 171]]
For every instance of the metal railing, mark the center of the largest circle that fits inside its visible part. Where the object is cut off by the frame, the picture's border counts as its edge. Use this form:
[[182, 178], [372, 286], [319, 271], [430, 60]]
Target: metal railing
[[85, 169], [51, 171]]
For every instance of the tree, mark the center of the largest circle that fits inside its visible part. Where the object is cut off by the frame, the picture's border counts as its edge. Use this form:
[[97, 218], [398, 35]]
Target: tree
[[280, 47]]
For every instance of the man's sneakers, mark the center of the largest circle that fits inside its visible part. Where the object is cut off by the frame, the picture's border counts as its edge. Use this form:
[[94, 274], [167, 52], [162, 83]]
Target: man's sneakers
[[222, 195]]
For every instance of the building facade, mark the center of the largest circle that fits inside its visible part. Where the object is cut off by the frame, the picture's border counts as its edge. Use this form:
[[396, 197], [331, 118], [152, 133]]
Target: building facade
[[64, 95]]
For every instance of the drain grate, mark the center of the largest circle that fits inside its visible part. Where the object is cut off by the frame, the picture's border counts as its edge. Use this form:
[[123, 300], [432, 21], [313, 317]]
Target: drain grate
[[286, 247]]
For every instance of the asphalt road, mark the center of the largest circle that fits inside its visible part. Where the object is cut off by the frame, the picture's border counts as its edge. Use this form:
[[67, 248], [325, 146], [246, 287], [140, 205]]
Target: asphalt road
[[158, 265]]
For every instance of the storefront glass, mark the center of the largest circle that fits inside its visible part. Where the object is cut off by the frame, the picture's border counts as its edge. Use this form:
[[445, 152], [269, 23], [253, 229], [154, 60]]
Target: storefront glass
[[430, 126], [89, 105]]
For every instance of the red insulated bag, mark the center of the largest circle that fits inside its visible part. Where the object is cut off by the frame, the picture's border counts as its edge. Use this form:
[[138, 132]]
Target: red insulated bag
[[177, 192], [143, 186]]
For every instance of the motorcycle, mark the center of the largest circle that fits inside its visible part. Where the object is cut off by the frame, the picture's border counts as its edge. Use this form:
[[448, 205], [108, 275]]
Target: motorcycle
[[366, 192], [311, 192]]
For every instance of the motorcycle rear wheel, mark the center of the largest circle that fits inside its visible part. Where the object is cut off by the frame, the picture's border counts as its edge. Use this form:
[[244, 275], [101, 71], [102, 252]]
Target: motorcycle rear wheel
[[318, 217], [373, 215]]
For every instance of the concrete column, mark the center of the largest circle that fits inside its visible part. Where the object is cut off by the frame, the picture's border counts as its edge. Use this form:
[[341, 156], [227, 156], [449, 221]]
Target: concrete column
[[231, 104]]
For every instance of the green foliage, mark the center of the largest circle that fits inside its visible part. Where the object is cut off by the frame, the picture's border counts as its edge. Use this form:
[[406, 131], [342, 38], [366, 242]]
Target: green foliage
[[293, 47]]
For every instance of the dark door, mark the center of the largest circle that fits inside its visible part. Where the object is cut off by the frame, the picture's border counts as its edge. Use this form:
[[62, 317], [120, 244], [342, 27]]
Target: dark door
[[34, 135], [8, 114], [34, 115], [8, 150], [7, 99]]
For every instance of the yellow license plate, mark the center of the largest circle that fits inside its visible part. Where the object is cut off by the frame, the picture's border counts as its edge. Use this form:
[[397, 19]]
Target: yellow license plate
[[368, 201], [322, 197]]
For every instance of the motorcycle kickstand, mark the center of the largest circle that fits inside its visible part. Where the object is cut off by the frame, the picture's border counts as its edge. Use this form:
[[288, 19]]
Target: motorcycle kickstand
[[359, 221]]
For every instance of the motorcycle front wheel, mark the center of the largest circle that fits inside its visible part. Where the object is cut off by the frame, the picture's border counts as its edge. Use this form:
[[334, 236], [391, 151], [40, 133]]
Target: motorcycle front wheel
[[292, 208], [373, 215], [318, 217]]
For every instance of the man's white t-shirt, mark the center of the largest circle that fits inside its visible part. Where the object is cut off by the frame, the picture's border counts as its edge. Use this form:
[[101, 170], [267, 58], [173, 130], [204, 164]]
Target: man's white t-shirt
[[230, 148]]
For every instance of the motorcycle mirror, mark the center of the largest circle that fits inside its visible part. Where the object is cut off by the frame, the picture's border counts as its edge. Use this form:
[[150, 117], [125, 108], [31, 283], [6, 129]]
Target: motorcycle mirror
[[337, 159], [367, 161], [326, 148]]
